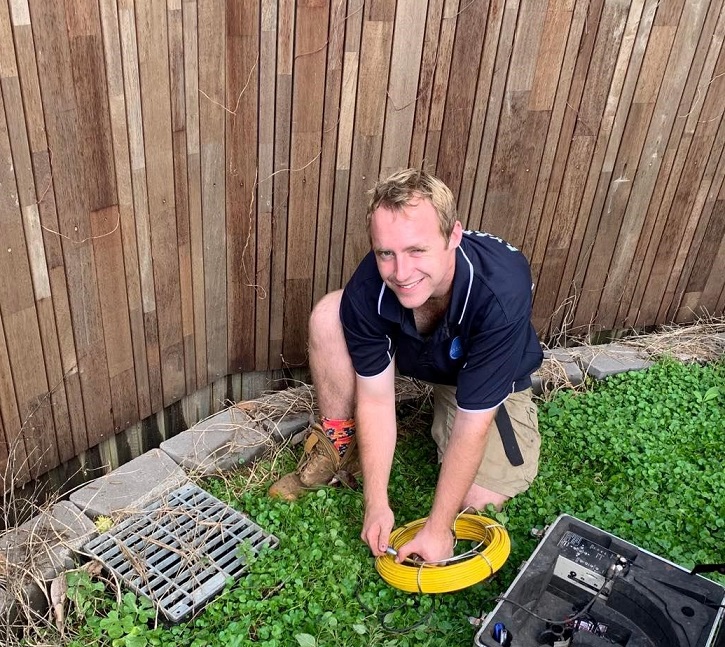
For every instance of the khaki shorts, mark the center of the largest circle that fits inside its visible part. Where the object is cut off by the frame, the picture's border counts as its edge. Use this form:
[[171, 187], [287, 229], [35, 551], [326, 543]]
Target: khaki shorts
[[495, 472]]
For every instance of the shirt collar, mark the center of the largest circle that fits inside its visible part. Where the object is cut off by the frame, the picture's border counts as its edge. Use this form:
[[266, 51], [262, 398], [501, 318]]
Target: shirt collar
[[389, 307]]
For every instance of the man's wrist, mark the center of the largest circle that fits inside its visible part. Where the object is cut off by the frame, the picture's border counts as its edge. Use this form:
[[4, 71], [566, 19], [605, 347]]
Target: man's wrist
[[379, 501], [439, 524]]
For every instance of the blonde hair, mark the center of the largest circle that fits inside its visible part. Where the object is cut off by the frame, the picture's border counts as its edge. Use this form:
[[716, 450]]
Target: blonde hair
[[404, 187]]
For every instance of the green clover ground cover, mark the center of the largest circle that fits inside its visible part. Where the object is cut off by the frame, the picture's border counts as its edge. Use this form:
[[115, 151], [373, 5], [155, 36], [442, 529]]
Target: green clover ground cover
[[639, 455]]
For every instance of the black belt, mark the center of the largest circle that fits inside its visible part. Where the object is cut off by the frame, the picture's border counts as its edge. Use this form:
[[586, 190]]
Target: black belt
[[508, 437]]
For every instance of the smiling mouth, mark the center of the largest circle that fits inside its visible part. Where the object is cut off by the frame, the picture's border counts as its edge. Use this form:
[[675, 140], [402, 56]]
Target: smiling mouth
[[408, 286]]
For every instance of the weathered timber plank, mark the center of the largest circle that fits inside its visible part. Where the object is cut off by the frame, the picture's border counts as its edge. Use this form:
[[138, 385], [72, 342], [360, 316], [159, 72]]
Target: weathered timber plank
[[177, 89], [265, 185], [348, 99], [446, 42], [119, 135], [480, 108], [408, 35], [590, 92], [662, 194], [191, 104], [212, 83], [613, 196], [502, 55], [59, 431], [374, 58], [700, 149], [91, 99], [702, 122], [426, 76], [552, 161], [242, 65], [31, 389], [328, 157], [70, 177], [60, 301], [107, 244], [462, 82], [306, 142], [283, 125], [622, 88], [145, 314], [14, 450], [714, 288], [28, 74], [158, 146]]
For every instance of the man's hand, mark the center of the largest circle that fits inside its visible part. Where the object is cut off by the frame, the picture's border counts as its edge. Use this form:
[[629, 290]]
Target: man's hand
[[377, 527], [429, 544]]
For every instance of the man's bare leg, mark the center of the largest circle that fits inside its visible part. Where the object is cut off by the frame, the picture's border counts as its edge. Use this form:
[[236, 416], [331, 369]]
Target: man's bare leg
[[334, 380], [330, 364], [479, 497]]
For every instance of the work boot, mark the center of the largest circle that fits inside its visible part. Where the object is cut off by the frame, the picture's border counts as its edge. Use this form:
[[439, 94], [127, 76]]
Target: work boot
[[321, 464]]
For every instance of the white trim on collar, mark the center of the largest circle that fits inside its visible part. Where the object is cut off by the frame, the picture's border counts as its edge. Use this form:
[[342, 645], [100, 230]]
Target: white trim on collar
[[380, 298], [470, 284]]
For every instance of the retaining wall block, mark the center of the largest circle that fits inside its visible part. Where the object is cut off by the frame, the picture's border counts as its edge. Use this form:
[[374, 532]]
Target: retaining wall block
[[130, 487], [223, 441], [610, 359], [36, 552]]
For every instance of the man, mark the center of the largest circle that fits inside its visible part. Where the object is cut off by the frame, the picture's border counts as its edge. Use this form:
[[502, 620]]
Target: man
[[445, 306]]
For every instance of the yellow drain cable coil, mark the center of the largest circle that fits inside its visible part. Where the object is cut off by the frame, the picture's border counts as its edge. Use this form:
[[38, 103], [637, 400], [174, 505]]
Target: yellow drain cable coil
[[459, 572]]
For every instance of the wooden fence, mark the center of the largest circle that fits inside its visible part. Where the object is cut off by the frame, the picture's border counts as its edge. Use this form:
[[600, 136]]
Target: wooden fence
[[181, 180]]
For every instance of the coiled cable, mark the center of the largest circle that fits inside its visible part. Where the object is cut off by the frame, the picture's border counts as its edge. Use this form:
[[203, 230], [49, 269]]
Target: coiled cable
[[459, 572]]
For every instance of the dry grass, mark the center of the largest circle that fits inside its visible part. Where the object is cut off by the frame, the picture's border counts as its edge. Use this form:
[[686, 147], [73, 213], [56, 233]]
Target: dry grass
[[701, 342]]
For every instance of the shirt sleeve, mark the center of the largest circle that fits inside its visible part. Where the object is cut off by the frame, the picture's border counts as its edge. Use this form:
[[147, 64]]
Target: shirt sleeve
[[369, 340]]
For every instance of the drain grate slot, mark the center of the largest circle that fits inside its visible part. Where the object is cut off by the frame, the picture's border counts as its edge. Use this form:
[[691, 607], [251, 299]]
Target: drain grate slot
[[180, 551]]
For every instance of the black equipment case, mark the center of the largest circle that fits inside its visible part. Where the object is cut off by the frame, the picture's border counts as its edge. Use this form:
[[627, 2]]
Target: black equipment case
[[584, 586]]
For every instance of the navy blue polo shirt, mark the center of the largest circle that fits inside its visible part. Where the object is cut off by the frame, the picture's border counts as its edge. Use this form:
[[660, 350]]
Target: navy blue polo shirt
[[484, 345]]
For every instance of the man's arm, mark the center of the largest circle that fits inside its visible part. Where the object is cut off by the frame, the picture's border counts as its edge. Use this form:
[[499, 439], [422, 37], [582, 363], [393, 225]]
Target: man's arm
[[463, 455], [376, 434]]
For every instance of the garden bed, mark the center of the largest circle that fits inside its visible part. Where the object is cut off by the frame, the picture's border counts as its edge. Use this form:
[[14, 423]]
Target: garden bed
[[639, 454]]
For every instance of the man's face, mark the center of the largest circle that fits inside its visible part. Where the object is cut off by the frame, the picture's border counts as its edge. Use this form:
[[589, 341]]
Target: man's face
[[412, 255]]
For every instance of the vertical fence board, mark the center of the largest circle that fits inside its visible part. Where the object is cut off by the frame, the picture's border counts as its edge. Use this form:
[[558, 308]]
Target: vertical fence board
[[212, 32], [522, 133], [242, 65], [265, 184], [582, 127], [177, 89], [493, 114], [426, 76], [191, 105], [348, 99], [59, 430], [402, 86], [375, 52], [155, 92], [328, 155], [480, 110], [311, 26], [283, 126], [462, 81], [119, 133], [444, 56]]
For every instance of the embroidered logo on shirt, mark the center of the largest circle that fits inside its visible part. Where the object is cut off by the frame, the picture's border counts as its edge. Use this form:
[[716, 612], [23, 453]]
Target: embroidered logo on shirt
[[456, 350]]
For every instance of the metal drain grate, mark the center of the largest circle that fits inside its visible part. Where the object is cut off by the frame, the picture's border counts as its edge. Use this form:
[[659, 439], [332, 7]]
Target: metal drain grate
[[179, 551]]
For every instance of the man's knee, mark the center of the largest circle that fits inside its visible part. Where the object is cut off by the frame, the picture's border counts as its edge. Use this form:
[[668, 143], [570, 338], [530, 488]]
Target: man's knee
[[325, 315], [479, 497]]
